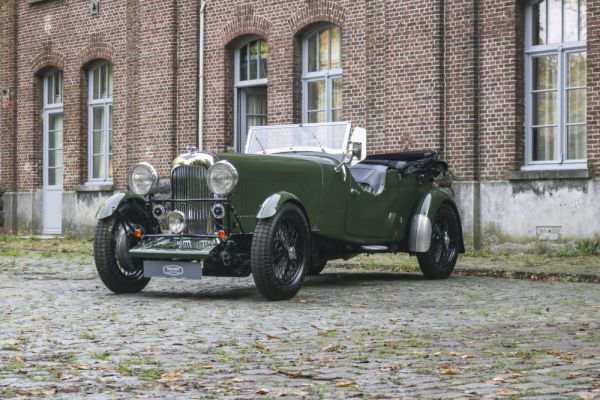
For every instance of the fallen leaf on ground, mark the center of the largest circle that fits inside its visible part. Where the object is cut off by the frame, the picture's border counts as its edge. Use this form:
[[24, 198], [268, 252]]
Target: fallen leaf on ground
[[499, 379], [302, 301], [445, 366], [19, 359], [239, 379], [468, 356], [273, 337], [346, 384], [450, 371], [334, 347], [171, 376], [262, 391], [454, 354], [508, 393], [260, 346], [83, 367]]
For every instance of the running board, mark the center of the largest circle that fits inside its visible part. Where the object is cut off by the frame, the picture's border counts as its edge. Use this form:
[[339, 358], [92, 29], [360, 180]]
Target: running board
[[375, 249]]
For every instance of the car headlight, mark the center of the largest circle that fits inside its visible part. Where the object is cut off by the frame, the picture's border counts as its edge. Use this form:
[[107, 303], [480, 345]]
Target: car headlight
[[222, 178], [176, 221], [143, 179]]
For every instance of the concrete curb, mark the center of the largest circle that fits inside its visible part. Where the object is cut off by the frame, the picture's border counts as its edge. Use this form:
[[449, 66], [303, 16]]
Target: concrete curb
[[529, 275]]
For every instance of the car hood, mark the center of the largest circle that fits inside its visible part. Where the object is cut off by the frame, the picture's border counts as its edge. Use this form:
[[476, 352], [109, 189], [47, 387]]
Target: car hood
[[261, 176]]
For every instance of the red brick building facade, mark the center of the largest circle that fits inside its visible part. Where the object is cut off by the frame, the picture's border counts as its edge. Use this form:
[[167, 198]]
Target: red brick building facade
[[449, 75]]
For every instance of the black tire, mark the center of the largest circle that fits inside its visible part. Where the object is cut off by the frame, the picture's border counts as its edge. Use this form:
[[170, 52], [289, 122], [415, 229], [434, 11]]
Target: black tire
[[118, 272], [281, 253], [439, 261], [317, 267]]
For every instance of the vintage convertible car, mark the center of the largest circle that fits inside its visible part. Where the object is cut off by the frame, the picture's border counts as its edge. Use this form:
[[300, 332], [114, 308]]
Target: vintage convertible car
[[300, 195]]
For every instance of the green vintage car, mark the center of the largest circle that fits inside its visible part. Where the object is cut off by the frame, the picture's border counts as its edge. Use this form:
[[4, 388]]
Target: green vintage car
[[300, 195]]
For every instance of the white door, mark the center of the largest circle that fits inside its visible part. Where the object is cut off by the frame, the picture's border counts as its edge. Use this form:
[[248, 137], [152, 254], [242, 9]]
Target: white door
[[53, 171]]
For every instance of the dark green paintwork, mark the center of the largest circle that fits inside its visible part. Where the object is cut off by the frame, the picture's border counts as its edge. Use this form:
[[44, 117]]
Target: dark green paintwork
[[334, 203]]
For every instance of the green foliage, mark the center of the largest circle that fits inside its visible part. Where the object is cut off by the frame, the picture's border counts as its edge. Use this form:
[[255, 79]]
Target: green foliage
[[587, 247]]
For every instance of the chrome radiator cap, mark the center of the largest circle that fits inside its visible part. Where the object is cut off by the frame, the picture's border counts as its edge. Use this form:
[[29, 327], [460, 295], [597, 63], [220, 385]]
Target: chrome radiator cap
[[195, 157]]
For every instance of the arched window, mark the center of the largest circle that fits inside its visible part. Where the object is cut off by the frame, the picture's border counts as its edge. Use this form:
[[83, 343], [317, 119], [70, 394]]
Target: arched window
[[322, 74], [250, 87], [100, 120], [556, 84]]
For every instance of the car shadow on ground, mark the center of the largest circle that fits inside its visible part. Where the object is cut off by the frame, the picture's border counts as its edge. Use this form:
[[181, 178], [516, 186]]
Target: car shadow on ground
[[324, 280]]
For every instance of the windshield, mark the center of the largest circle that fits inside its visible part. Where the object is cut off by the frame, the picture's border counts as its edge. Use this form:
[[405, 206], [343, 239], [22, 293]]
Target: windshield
[[330, 138]]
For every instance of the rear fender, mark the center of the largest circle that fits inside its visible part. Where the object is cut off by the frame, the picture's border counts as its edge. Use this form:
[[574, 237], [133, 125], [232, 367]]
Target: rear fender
[[422, 222], [112, 204]]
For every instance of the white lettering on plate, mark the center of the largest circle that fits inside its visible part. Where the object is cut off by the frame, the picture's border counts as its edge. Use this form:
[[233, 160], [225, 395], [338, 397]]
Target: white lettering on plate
[[173, 270]]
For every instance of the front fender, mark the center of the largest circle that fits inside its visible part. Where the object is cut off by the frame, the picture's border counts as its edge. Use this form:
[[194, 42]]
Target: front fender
[[421, 223], [273, 203], [110, 205]]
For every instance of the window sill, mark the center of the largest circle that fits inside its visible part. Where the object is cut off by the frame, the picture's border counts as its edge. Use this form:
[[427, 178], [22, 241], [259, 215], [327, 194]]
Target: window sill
[[95, 187], [533, 175]]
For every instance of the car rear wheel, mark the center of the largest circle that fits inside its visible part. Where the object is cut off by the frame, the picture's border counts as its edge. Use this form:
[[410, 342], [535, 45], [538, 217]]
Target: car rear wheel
[[114, 237], [439, 261], [281, 253]]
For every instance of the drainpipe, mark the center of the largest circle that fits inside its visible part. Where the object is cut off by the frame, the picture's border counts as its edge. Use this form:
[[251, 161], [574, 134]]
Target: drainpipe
[[201, 77]]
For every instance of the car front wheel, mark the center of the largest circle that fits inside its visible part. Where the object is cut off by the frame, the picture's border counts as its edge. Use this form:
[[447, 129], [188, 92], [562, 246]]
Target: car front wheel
[[439, 261], [281, 253], [114, 237]]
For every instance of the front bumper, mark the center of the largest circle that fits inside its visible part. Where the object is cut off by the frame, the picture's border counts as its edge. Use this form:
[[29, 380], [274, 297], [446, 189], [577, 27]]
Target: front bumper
[[175, 249]]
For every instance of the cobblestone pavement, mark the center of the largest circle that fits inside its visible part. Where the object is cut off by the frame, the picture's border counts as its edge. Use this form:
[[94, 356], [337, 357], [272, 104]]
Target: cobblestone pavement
[[347, 334]]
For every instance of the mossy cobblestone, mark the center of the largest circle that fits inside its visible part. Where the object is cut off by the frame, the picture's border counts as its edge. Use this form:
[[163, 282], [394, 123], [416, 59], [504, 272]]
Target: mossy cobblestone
[[347, 334]]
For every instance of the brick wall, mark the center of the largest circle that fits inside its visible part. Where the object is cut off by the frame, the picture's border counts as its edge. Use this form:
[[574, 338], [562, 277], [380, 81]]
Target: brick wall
[[417, 74], [593, 82], [501, 88], [8, 93]]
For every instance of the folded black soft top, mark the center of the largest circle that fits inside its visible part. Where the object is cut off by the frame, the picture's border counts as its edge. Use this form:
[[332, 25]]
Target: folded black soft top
[[406, 156], [410, 162]]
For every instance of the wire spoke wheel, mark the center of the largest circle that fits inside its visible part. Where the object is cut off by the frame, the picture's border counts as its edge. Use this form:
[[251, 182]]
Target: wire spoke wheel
[[281, 253], [287, 253]]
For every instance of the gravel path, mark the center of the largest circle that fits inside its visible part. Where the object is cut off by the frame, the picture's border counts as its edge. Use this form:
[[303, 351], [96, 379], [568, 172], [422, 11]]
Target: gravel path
[[347, 334]]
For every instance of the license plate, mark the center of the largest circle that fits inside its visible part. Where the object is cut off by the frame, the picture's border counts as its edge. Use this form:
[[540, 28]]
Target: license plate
[[173, 269]]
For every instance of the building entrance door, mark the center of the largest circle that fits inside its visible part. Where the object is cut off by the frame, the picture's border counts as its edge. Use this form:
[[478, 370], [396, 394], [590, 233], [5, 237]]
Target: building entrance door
[[53, 171]]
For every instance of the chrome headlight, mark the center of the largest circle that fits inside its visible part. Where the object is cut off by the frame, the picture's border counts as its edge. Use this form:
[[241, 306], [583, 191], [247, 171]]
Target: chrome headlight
[[143, 179], [222, 178], [176, 221]]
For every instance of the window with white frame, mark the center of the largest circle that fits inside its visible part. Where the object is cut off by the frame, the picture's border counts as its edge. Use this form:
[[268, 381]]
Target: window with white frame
[[250, 87], [100, 119], [53, 128], [556, 84], [322, 75]]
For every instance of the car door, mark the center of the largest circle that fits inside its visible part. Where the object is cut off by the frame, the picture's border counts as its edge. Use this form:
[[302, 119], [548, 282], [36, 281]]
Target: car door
[[368, 214]]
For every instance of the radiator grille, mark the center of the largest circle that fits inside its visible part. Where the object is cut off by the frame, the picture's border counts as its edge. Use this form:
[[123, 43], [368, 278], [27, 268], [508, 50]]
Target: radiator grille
[[189, 182]]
